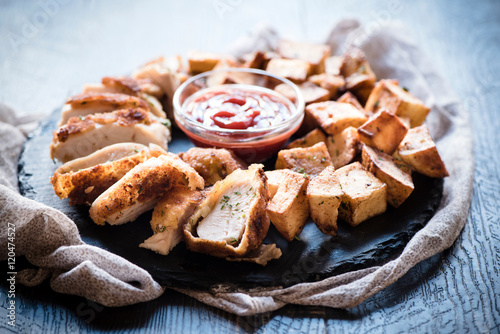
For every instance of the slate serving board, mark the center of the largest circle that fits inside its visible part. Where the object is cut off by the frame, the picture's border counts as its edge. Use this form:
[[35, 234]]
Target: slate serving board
[[315, 256]]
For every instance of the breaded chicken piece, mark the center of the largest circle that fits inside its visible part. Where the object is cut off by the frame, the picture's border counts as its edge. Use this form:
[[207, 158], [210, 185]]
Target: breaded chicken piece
[[232, 220], [211, 163], [84, 179], [141, 189], [169, 216]]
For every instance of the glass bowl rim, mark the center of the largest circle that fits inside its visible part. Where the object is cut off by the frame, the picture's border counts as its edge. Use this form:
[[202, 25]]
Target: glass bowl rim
[[299, 105]]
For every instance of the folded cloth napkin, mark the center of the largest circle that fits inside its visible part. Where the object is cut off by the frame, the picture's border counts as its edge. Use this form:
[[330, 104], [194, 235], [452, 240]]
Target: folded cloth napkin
[[51, 242]]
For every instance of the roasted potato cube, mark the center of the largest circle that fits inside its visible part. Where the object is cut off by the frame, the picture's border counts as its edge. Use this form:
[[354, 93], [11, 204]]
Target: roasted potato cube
[[364, 196], [310, 139], [296, 70], [334, 117], [288, 209], [389, 95], [324, 195], [394, 173], [314, 54], [310, 92], [332, 65], [348, 97], [358, 75], [211, 163], [310, 160], [420, 152], [343, 147], [331, 83], [255, 60], [383, 131], [202, 61]]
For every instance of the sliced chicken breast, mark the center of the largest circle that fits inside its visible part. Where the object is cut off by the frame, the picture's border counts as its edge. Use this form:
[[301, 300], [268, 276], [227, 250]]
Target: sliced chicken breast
[[82, 136], [141, 189], [167, 73], [232, 220], [84, 179], [169, 216], [98, 103]]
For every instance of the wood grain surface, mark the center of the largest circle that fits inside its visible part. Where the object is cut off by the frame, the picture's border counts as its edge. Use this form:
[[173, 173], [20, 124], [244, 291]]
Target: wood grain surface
[[49, 49]]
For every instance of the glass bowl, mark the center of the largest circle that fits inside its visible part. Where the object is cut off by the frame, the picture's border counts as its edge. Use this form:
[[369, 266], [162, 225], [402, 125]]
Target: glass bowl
[[252, 144]]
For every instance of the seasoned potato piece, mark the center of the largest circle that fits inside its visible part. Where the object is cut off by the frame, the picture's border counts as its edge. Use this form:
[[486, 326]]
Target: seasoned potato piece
[[324, 195], [420, 152], [389, 95], [383, 131], [310, 139], [332, 83], [335, 116], [296, 70], [255, 60], [343, 147], [348, 97], [211, 163], [202, 61], [395, 174], [311, 160], [288, 209], [358, 75], [314, 54], [332, 65], [310, 92], [364, 196]]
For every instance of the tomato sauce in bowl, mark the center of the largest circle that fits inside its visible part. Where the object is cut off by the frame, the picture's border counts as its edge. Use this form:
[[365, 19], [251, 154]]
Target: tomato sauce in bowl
[[253, 120]]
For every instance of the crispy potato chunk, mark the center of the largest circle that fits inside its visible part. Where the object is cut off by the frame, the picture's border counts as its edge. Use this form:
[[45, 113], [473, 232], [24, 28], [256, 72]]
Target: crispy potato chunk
[[364, 196], [311, 160], [332, 83], [389, 95], [211, 163], [395, 174], [310, 92], [343, 147], [310, 139], [383, 131], [202, 61], [348, 97], [255, 60], [333, 64], [314, 54], [288, 208], [334, 117], [324, 195], [295, 70], [420, 152], [358, 75]]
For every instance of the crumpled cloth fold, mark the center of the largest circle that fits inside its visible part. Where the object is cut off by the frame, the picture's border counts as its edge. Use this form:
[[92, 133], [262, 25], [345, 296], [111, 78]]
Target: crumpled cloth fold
[[51, 242]]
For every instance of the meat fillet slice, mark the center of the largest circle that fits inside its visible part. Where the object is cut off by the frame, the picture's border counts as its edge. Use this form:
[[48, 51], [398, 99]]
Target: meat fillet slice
[[124, 85], [141, 189], [232, 220], [169, 216], [85, 135], [98, 103], [84, 179]]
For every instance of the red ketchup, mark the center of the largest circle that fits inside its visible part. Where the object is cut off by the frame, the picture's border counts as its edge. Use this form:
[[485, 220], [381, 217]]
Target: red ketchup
[[252, 112]]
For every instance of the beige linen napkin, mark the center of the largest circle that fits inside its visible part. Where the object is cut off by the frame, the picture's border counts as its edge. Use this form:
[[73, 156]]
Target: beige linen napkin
[[50, 241]]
